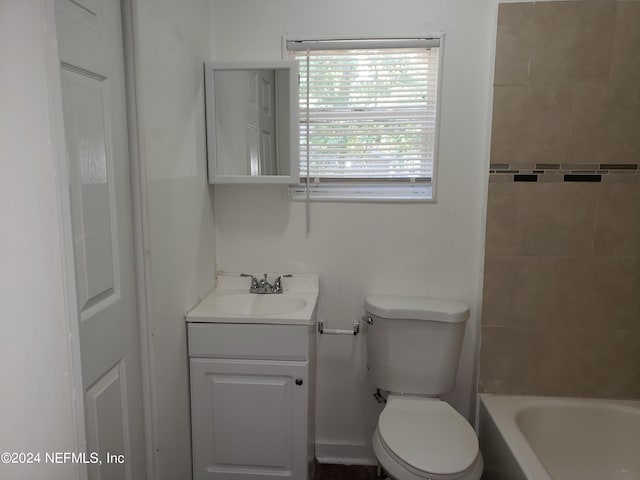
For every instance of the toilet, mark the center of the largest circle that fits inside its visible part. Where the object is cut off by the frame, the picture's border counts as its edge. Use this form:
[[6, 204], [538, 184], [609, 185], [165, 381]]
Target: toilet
[[413, 347]]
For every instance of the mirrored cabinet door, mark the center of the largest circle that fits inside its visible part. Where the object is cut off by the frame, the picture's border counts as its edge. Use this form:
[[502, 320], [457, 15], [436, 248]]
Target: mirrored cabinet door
[[252, 122]]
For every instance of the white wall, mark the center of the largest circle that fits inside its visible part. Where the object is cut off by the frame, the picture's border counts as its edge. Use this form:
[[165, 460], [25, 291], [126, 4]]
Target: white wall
[[360, 249], [172, 42], [36, 401]]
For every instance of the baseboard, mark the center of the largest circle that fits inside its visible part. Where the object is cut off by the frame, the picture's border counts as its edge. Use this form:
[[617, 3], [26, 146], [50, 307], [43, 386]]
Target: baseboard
[[345, 453]]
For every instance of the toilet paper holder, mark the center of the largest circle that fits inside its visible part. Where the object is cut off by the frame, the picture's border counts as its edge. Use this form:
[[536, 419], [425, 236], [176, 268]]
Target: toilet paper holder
[[337, 331]]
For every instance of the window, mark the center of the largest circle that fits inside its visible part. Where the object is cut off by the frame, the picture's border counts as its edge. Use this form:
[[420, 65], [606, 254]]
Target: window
[[368, 118]]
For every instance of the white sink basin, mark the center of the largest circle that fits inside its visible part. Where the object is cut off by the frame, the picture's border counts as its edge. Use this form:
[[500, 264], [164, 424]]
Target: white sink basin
[[251, 304], [231, 302]]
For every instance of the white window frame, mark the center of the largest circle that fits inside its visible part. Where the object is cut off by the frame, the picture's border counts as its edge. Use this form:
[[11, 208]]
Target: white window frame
[[386, 191]]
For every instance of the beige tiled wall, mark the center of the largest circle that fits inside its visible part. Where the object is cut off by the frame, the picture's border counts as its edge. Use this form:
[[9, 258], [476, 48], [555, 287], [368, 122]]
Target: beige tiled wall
[[561, 310], [567, 83]]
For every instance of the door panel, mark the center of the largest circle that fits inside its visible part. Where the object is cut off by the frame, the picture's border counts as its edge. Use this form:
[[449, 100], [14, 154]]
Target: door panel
[[235, 419], [249, 419], [252, 120], [267, 123], [93, 97], [86, 124], [107, 420]]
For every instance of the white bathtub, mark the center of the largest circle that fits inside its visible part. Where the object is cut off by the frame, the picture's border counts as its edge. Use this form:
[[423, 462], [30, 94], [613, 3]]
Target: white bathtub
[[547, 438]]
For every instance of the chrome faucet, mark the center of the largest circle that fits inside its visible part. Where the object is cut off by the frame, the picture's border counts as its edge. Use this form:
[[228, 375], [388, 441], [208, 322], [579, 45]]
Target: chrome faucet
[[263, 286]]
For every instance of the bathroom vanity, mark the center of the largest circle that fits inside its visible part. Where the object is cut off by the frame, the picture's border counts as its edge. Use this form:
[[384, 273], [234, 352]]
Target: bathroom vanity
[[252, 377]]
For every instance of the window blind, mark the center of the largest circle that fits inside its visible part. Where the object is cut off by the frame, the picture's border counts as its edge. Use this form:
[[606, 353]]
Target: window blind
[[371, 109]]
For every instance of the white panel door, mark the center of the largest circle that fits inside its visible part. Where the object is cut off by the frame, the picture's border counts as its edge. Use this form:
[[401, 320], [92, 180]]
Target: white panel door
[[93, 95], [249, 419]]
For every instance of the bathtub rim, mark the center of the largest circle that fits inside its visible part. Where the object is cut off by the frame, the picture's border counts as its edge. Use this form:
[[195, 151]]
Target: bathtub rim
[[503, 409]]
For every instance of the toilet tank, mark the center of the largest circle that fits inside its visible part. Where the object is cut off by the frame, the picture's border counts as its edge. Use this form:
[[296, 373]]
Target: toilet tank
[[414, 343]]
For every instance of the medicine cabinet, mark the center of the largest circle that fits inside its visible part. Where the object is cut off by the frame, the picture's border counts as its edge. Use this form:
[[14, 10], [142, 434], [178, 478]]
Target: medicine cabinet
[[252, 122]]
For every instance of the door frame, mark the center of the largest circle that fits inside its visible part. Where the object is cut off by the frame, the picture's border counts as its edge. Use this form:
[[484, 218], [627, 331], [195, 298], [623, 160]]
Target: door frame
[[140, 219], [129, 9]]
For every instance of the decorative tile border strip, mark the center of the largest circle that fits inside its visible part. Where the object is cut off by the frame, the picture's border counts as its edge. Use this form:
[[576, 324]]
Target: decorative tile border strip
[[566, 172]]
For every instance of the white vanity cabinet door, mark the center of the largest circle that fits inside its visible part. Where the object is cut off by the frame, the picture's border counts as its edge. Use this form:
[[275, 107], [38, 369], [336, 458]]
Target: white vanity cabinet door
[[249, 419]]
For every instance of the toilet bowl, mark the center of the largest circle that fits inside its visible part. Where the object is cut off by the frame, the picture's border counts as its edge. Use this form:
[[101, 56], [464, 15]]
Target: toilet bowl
[[420, 438], [413, 348]]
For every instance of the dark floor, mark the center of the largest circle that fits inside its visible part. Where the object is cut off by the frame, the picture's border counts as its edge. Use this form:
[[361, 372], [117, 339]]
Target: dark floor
[[326, 471]]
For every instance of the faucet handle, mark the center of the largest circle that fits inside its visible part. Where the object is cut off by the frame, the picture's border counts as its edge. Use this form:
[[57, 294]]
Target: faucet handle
[[254, 280], [277, 285]]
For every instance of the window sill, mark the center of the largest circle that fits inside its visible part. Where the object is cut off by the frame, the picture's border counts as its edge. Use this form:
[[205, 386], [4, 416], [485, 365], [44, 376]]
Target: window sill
[[367, 193]]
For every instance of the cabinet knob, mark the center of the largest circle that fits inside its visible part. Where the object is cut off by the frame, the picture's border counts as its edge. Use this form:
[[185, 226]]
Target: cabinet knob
[[299, 381]]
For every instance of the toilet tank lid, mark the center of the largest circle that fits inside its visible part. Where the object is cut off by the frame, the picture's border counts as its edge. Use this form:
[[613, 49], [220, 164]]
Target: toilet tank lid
[[417, 308]]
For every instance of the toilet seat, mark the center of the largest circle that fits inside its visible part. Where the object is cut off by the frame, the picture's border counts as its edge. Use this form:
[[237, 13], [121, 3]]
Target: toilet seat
[[420, 437]]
